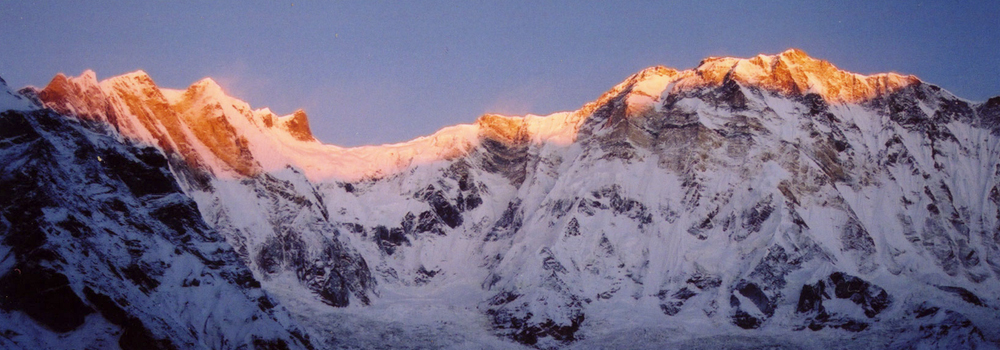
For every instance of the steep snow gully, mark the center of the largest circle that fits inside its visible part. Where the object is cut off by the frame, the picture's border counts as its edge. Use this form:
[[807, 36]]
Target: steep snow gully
[[775, 201]]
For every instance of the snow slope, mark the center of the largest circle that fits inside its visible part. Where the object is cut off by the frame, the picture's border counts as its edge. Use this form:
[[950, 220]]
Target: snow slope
[[776, 199], [100, 249]]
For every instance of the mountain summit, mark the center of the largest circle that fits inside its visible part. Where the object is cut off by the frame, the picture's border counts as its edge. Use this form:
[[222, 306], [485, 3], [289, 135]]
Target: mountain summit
[[794, 73], [775, 200], [791, 73]]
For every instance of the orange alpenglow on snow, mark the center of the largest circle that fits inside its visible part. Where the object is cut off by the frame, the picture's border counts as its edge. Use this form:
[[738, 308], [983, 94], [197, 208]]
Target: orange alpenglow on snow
[[221, 135], [794, 73]]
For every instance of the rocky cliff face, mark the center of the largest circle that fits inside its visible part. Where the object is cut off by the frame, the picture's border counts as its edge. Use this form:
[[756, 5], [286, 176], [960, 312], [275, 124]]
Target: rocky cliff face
[[202, 132], [100, 248], [777, 193]]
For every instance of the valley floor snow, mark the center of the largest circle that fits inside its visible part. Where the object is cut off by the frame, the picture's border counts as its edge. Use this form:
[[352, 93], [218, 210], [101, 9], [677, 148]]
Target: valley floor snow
[[444, 319]]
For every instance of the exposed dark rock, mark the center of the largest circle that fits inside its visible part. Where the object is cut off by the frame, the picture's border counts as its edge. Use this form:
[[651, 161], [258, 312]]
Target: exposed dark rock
[[561, 207], [855, 238], [950, 329], [741, 318], [703, 281], [44, 295], [271, 256], [243, 279], [730, 95], [954, 110], [265, 303], [182, 217], [814, 102], [15, 129], [573, 228], [25, 236], [424, 276], [509, 222], [469, 197], [923, 311], [528, 331], [871, 298], [773, 268], [81, 209], [75, 227], [473, 201], [348, 273], [671, 308], [142, 176], [811, 298], [298, 126], [965, 294], [509, 313], [671, 304], [142, 275], [989, 114], [269, 344], [448, 213], [754, 218], [108, 308], [388, 239], [684, 294], [588, 207], [699, 229], [692, 134], [852, 325], [135, 336], [611, 198], [502, 298], [757, 296], [354, 227], [335, 292], [549, 262], [408, 223], [428, 222], [503, 147]]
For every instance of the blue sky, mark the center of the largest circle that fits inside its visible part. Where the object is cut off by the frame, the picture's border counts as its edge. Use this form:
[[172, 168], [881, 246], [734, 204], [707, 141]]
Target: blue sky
[[377, 72]]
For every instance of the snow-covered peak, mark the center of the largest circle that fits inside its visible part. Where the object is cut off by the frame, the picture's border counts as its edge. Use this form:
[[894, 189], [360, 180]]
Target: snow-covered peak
[[138, 76], [61, 81], [225, 133], [208, 88], [793, 72], [138, 83], [557, 128], [790, 73], [297, 125], [173, 96], [650, 82], [10, 100], [502, 128], [80, 96], [719, 195], [202, 96], [86, 79], [89, 75], [653, 72], [203, 92]]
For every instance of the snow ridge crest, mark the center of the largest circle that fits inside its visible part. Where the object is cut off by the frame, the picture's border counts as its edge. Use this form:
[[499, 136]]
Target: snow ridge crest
[[793, 72], [217, 131]]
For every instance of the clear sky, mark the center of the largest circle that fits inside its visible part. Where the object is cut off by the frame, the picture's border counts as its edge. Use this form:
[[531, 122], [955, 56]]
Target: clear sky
[[372, 72]]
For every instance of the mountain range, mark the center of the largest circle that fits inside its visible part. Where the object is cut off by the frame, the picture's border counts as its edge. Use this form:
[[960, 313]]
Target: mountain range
[[774, 200]]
